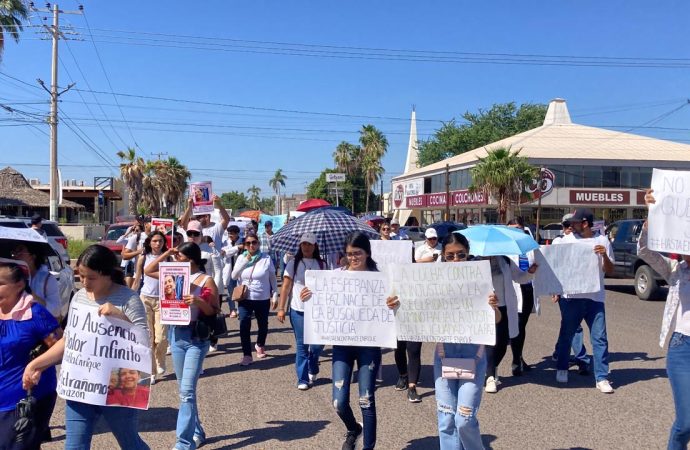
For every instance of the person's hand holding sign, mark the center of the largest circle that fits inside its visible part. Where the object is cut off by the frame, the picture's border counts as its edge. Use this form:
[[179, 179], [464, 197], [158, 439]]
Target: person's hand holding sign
[[305, 294], [393, 302], [108, 309]]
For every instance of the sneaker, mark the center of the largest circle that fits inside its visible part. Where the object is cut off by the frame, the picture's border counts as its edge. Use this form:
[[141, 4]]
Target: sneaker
[[605, 387], [303, 386], [246, 360], [198, 440], [582, 368], [352, 437], [525, 367], [260, 351], [412, 395], [379, 374], [402, 384], [313, 377], [517, 370], [153, 380], [160, 370], [168, 352], [212, 349], [562, 376], [233, 313], [491, 387]]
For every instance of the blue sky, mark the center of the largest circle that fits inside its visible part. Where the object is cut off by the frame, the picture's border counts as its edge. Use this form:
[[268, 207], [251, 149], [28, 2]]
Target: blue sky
[[245, 145]]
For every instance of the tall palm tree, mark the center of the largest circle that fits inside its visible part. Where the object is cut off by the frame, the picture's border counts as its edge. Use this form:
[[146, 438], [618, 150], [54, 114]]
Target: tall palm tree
[[12, 12], [374, 146], [132, 172], [347, 158], [276, 182], [502, 174], [254, 195], [151, 188], [173, 179]]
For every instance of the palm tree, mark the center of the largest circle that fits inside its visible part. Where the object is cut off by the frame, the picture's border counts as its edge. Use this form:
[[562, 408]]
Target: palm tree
[[132, 172], [151, 188], [502, 174], [276, 182], [374, 146], [347, 158], [254, 195], [172, 181], [11, 14]]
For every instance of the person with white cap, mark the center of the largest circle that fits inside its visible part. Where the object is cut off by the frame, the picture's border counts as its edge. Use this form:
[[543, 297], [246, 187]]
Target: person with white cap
[[396, 233], [430, 249], [306, 356]]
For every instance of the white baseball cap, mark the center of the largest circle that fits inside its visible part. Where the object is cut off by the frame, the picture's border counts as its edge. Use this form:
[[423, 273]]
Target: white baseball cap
[[431, 233], [308, 237]]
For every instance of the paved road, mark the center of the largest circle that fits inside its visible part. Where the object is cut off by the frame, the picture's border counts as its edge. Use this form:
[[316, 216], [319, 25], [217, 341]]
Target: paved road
[[259, 407]]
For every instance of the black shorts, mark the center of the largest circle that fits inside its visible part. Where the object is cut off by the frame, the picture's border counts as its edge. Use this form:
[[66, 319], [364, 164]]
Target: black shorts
[[129, 269]]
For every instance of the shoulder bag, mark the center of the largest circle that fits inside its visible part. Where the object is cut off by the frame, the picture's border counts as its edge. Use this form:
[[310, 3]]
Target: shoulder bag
[[458, 368], [241, 291]]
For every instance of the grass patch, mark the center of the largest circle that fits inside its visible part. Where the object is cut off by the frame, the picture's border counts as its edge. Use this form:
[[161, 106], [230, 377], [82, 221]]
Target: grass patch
[[75, 247]]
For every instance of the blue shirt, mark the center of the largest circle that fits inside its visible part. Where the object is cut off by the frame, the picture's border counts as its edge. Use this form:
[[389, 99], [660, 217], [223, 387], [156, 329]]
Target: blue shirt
[[17, 339]]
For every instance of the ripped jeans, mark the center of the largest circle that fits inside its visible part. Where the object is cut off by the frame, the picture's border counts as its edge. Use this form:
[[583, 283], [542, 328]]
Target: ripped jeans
[[368, 361], [457, 402]]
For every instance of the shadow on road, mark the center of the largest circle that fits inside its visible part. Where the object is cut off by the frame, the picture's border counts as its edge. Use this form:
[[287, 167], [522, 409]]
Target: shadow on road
[[632, 356], [624, 377], [283, 431]]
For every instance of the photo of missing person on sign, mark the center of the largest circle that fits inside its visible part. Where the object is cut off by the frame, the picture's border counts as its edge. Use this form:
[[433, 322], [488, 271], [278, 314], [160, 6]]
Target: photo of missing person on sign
[[128, 387]]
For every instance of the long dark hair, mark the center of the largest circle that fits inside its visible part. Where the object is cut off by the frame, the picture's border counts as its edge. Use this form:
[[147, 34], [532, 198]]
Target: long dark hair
[[102, 260], [360, 240], [454, 238], [147, 242], [18, 272], [299, 256], [193, 252]]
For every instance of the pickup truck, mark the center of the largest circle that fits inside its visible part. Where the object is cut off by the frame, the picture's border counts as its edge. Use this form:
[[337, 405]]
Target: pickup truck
[[623, 235]]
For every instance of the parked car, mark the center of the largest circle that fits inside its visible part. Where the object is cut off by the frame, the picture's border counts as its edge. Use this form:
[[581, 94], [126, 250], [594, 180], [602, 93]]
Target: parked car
[[550, 232], [112, 234], [624, 235], [55, 236], [414, 233], [443, 229]]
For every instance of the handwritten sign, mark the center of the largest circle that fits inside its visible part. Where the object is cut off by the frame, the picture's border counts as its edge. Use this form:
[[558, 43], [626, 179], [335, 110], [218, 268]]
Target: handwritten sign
[[348, 308], [106, 360], [669, 217], [202, 197], [446, 302], [388, 254], [566, 269], [173, 279], [165, 226]]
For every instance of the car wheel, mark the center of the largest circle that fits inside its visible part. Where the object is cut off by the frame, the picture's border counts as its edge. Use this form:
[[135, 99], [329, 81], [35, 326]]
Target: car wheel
[[646, 286]]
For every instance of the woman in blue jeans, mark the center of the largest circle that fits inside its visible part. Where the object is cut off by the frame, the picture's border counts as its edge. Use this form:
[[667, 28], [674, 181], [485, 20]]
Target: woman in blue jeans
[[368, 359], [677, 274], [190, 343], [306, 356], [104, 286]]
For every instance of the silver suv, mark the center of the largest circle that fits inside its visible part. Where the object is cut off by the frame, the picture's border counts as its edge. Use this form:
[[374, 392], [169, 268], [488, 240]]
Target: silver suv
[[52, 231]]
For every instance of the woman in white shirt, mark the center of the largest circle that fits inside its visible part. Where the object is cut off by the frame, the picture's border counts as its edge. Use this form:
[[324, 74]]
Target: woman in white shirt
[[306, 356], [256, 271]]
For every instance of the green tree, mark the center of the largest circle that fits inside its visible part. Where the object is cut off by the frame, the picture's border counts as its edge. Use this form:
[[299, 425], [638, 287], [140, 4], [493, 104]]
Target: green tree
[[132, 172], [276, 183], [374, 146], [235, 200], [502, 174], [254, 198], [173, 179], [267, 204], [351, 191], [484, 127], [12, 12]]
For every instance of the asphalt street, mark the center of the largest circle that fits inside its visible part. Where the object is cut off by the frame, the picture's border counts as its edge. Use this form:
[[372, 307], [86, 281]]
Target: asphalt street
[[259, 407]]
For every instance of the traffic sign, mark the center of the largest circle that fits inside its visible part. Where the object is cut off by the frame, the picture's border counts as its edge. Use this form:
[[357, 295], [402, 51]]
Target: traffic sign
[[335, 177]]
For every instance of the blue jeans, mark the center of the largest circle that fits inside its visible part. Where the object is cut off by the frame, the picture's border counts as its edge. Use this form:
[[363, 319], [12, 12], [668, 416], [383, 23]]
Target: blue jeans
[[81, 417], [306, 356], [573, 311], [579, 351], [260, 308], [368, 361], [678, 369], [231, 285], [188, 357], [457, 402]]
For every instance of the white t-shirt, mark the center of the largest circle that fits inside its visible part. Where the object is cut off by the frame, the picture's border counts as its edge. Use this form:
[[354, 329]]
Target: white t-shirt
[[571, 238], [132, 244], [424, 251], [297, 278], [215, 231], [149, 287]]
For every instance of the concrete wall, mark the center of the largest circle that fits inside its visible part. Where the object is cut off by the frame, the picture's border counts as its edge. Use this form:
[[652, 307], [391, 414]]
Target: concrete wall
[[83, 232]]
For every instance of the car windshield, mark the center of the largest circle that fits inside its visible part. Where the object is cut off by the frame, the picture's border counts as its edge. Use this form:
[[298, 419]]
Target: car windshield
[[13, 224], [51, 229], [115, 233]]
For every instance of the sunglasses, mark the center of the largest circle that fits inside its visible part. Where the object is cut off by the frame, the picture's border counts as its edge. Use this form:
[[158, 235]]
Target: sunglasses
[[432, 239], [251, 242], [458, 255], [385, 229], [355, 255], [193, 234]]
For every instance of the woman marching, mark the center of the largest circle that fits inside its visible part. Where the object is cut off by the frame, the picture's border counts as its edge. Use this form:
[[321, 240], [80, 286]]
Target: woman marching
[[190, 343], [458, 400], [104, 286], [677, 274], [306, 356]]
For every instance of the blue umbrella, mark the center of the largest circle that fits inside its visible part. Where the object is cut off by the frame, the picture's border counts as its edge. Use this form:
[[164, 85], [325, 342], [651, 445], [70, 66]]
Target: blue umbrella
[[331, 227], [494, 240]]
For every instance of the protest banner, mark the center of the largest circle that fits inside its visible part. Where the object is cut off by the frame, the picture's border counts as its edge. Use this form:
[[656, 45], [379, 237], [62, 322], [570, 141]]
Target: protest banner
[[566, 269], [388, 254], [106, 360], [445, 303], [202, 197], [165, 226], [173, 279], [348, 308], [669, 217]]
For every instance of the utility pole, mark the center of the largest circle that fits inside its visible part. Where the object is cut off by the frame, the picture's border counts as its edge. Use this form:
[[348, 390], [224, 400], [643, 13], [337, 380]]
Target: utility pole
[[447, 192], [54, 95], [381, 198], [540, 191], [159, 154]]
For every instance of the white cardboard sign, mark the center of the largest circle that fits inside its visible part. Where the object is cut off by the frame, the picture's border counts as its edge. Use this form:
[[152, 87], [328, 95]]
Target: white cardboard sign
[[388, 254], [566, 269], [669, 217], [446, 302], [106, 360], [348, 308]]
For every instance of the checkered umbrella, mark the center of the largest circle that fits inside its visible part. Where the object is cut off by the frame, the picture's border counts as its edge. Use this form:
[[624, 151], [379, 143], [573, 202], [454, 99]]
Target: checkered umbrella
[[331, 227]]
